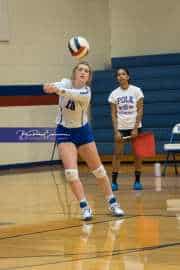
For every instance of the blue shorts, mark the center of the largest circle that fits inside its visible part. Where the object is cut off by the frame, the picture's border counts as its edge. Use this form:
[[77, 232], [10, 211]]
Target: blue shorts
[[78, 136]]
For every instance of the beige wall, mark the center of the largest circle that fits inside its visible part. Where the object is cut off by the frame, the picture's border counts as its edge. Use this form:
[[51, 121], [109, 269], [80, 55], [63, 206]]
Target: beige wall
[[4, 22], [39, 31], [37, 51], [27, 116], [144, 27]]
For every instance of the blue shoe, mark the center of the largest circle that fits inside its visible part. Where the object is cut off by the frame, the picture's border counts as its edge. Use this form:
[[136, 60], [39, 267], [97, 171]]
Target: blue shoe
[[137, 186], [114, 186]]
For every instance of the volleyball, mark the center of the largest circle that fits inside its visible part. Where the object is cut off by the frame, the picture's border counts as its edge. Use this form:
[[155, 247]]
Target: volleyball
[[78, 47]]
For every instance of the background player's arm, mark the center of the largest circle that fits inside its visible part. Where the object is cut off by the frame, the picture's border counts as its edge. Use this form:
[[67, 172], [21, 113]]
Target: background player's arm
[[117, 135], [140, 108]]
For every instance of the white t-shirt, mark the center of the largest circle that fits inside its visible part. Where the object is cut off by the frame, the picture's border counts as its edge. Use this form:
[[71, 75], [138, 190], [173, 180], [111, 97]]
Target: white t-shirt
[[126, 105], [73, 104]]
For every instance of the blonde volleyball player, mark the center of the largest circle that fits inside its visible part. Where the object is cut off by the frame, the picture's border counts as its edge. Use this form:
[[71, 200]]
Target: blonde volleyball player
[[74, 135], [127, 110]]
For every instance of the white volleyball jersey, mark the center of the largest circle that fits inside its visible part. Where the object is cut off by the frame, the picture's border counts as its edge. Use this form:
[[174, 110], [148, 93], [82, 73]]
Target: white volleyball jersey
[[126, 105], [73, 104]]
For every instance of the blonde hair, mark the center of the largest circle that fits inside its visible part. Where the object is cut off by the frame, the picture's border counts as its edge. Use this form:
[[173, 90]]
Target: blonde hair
[[90, 71]]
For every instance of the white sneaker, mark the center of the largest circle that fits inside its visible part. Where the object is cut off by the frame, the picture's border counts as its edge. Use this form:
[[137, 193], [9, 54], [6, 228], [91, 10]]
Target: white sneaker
[[116, 210], [86, 213]]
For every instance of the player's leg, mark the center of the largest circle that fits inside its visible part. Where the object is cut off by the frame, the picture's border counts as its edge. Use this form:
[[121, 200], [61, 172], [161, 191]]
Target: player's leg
[[137, 173], [68, 154], [118, 151], [90, 154], [137, 170]]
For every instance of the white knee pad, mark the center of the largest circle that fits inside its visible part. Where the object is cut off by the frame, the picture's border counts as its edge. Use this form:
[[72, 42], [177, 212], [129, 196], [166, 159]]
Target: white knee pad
[[100, 172], [71, 175]]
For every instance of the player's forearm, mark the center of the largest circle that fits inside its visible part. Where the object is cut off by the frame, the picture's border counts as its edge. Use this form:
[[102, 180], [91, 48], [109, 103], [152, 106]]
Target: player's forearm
[[138, 119], [114, 117], [114, 123], [140, 110], [82, 95]]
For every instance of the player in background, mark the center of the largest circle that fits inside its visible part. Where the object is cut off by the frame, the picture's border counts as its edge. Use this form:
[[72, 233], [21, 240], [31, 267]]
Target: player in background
[[127, 103]]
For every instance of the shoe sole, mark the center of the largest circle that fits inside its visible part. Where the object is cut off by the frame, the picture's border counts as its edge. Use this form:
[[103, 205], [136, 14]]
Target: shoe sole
[[117, 215], [138, 188], [115, 189], [120, 215], [87, 219]]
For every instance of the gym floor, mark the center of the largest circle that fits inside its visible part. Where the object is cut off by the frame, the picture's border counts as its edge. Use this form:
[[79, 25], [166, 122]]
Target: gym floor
[[40, 225]]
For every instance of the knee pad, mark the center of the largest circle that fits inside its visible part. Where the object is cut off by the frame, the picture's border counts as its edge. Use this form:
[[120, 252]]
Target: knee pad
[[100, 172], [71, 175]]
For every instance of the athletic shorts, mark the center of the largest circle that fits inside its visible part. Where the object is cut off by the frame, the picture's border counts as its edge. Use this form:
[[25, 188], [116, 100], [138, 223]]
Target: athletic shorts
[[127, 132], [78, 136]]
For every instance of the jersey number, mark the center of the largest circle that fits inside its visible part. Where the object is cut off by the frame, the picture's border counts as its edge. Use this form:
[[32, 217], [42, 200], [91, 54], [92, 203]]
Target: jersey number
[[70, 105]]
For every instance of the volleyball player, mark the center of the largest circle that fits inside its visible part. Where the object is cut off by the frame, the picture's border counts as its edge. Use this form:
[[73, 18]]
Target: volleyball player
[[127, 103], [74, 135]]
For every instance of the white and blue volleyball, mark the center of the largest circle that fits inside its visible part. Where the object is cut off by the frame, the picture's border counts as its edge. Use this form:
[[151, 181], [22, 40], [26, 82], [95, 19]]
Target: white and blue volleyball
[[78, 47]]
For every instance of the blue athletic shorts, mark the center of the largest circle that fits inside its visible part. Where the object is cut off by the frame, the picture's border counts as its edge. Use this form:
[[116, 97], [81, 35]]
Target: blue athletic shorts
[[78, 136]]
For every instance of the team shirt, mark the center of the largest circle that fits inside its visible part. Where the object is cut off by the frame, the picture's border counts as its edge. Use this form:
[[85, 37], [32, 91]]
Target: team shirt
[[126, 105], [73, 104]]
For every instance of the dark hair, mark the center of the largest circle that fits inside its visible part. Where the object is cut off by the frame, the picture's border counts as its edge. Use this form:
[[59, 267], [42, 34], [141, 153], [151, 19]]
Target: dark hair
[[90, 71], [125, 69], [115, 72]]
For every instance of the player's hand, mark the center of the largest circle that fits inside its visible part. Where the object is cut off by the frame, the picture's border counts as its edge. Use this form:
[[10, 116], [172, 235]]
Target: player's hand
[[134, 133], [49, 89], [117, 136]]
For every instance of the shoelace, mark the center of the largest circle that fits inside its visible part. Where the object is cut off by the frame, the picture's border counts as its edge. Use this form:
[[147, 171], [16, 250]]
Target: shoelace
[[86, 209], [115, 205]]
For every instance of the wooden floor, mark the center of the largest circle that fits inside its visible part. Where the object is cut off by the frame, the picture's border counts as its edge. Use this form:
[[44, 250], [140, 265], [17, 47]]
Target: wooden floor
[[40, 226]]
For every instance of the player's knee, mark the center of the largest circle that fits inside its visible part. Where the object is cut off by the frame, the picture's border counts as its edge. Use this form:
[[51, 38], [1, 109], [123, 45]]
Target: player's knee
[[100, 172], [71, 175], [117, 154]]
